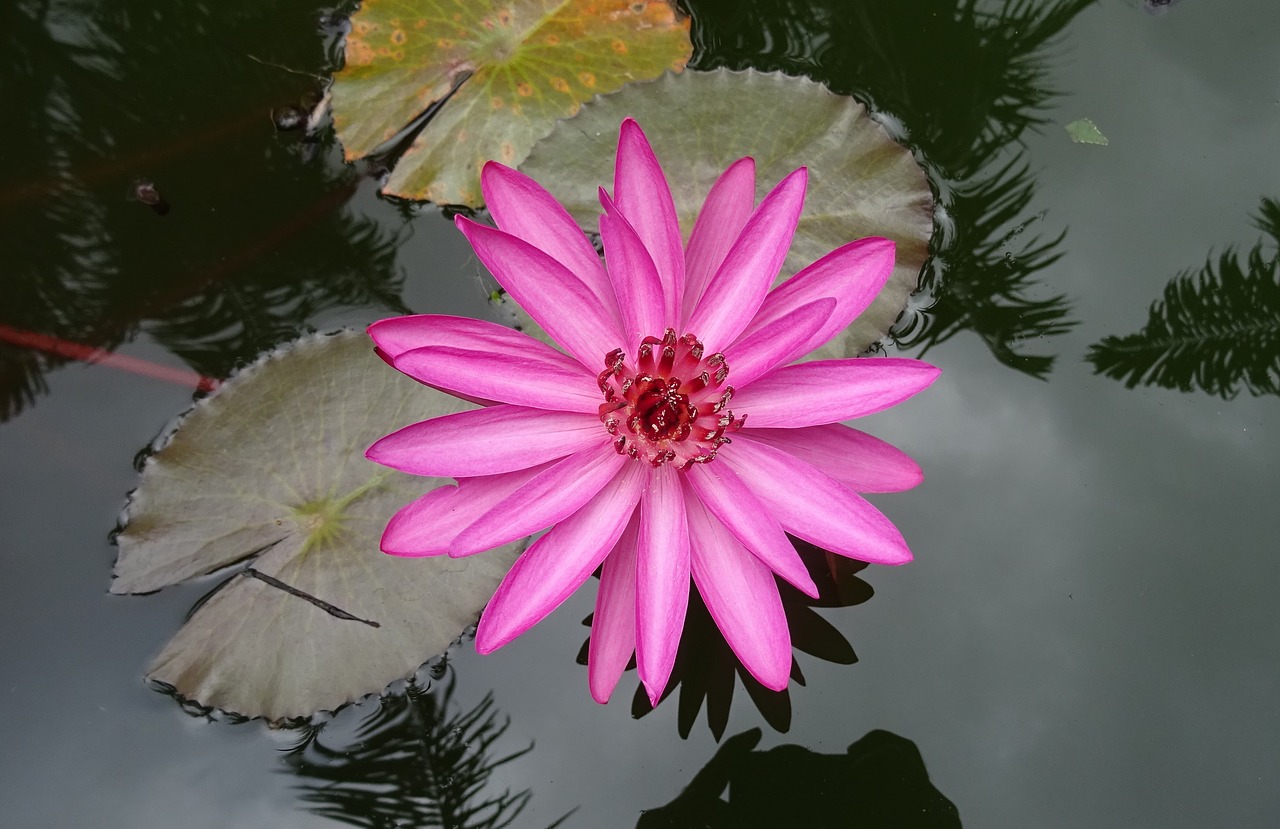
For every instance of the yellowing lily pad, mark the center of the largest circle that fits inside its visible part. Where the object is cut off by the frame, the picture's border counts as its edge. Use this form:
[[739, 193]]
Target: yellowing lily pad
[[861, 181], [270, 470], [517, 67]]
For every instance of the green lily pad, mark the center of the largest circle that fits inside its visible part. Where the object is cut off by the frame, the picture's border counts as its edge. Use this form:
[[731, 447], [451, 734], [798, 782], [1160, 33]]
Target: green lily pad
[[517, 66], [1084, 131], [861, 181], [270, 469]]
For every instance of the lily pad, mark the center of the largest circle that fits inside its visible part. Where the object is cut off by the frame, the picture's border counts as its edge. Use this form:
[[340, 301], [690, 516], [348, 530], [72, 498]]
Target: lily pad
[[516, 66], [270, 470], [861, 181]]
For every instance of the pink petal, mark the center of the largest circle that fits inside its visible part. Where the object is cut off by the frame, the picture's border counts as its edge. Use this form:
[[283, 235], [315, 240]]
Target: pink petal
[[397, 335], [742, 597], [723, 215], [635, 279], [814, 506], [853, 275], [734, 294], [642, 195], [662, 579], [558, 563], [549, 497], [408, 534], [828, 391], [520, 206], [426, 526], [728, 498], [487, 441], [555, 298], [781, 341], [523, 373], [613, 627], [859, 461]]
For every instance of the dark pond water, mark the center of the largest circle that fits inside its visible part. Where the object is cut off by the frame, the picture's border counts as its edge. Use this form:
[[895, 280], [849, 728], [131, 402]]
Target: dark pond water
[[1088, 635]]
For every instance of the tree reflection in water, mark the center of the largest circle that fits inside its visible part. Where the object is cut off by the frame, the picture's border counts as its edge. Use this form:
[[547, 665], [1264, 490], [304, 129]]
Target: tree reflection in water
[[966, 80], [259, 241], [1216, 330], [415, 760]]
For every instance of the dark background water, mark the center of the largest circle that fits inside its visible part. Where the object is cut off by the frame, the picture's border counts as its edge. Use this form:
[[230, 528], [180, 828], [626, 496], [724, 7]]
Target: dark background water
[[1088, 635]]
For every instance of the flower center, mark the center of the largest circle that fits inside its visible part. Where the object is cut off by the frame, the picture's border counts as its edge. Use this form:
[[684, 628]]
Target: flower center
[[671, 406]]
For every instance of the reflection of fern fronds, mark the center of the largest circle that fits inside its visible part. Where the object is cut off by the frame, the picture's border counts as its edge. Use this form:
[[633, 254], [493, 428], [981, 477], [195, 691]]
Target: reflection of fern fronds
[[216, 290], [412, 762], [1268, 220], [1006, 43], [902, 58], [986, 285], [965, 125], [1215, 329], [56, 263]]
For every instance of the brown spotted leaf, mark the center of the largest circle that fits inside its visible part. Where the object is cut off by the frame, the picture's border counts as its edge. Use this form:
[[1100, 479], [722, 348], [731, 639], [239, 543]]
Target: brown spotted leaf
[[518, 66]]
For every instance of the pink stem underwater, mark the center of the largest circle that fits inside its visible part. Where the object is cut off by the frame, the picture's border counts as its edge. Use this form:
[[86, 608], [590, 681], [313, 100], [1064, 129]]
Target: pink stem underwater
[[100, 356]]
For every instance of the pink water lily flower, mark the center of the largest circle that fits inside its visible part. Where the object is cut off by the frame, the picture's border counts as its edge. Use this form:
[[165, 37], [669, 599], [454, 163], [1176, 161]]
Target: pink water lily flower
[[673, 436]]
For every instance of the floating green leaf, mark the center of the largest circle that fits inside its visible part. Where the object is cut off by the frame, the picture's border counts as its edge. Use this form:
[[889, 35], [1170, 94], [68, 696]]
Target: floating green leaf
[[271, 468], [1084, 131], [516, 66], [861, 182]]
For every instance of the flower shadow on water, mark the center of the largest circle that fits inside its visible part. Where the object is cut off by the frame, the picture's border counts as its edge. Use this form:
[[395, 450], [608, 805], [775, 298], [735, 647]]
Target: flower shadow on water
[[880, 781], [705, 666]]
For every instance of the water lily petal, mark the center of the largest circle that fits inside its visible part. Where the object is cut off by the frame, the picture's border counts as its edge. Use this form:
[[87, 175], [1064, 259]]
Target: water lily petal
[[522, 207], [662, 579], [525, 373], [407, 534], [550, 293], [635, 279], [613, 626], [781, 341], [828, 391], [486, 441], [735, 293], [426, 526], [814, 506], [392, 337], [747, 517], [642, 195], [551, 496], [742, 597], [398, 335], [725, 212], [860, 461], [852, 274], [549, 571]]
